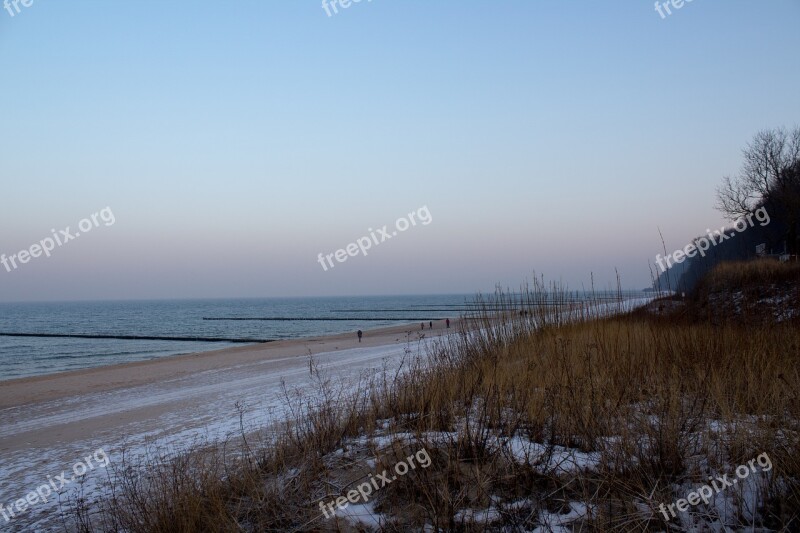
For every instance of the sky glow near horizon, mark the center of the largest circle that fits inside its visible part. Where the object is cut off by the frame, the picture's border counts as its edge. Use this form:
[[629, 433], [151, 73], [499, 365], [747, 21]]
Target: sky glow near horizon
[[235, 142]]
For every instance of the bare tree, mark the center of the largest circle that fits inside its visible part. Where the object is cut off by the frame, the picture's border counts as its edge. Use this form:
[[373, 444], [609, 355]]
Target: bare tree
[[770, 175]]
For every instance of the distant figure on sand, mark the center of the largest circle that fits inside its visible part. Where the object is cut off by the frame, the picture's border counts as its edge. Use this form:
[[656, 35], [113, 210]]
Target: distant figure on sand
[[430, 324], [359, 335], [448, 323], [422, 325]]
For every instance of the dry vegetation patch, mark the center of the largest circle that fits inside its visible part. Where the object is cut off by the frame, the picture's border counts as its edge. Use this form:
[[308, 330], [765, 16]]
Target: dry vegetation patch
[[586, 424]]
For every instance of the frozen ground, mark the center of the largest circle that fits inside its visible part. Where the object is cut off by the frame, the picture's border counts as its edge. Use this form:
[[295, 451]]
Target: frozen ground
[[171, 414], [168, 415]]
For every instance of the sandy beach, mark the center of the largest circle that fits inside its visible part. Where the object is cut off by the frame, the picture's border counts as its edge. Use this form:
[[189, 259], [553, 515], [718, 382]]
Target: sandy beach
[[50, 422], [24, 391]]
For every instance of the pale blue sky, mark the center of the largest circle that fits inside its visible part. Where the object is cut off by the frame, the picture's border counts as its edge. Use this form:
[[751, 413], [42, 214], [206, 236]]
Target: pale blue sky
[[234, 141]]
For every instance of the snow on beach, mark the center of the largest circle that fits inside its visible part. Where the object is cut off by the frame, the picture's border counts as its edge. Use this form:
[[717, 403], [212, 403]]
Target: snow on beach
[[196, 408], [174, 414]]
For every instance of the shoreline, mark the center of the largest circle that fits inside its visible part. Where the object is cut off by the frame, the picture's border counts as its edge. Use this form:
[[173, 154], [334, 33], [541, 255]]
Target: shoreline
[[173, 403], [19, 392]]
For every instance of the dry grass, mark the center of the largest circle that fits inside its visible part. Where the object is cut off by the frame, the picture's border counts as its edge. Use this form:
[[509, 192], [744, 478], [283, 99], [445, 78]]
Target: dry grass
[[737, 275], [749, 292], [649, 404]]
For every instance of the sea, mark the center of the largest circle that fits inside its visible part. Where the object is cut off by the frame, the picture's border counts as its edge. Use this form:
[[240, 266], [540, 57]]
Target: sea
[[174, 327], [224, 320]]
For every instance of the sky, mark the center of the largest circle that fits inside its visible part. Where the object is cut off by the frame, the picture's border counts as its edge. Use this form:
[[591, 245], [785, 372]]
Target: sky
[[234, 142]]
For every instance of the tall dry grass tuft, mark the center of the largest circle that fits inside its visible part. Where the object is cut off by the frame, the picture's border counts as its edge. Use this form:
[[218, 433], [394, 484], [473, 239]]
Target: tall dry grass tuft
[[761, 291], [738, 275], [543, 410]]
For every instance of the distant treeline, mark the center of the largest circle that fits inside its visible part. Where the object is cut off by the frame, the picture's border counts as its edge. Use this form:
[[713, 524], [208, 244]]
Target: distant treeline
[[684, 276], [769, 180]]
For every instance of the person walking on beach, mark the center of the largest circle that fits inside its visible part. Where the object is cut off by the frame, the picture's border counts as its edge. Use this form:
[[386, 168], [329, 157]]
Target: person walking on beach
[[422, 325], [430, 324], [359, 335], [448, 323]]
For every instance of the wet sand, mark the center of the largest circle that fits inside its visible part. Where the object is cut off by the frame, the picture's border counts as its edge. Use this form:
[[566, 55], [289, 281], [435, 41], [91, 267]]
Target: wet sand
[[47, 423], [24, 391]]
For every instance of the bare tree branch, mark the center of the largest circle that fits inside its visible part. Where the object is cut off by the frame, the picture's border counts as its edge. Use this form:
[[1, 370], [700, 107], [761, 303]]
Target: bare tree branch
[[769, 173]]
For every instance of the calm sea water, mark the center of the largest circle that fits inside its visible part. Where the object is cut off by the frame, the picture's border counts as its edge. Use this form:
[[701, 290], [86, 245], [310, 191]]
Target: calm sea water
[[28, 356]]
